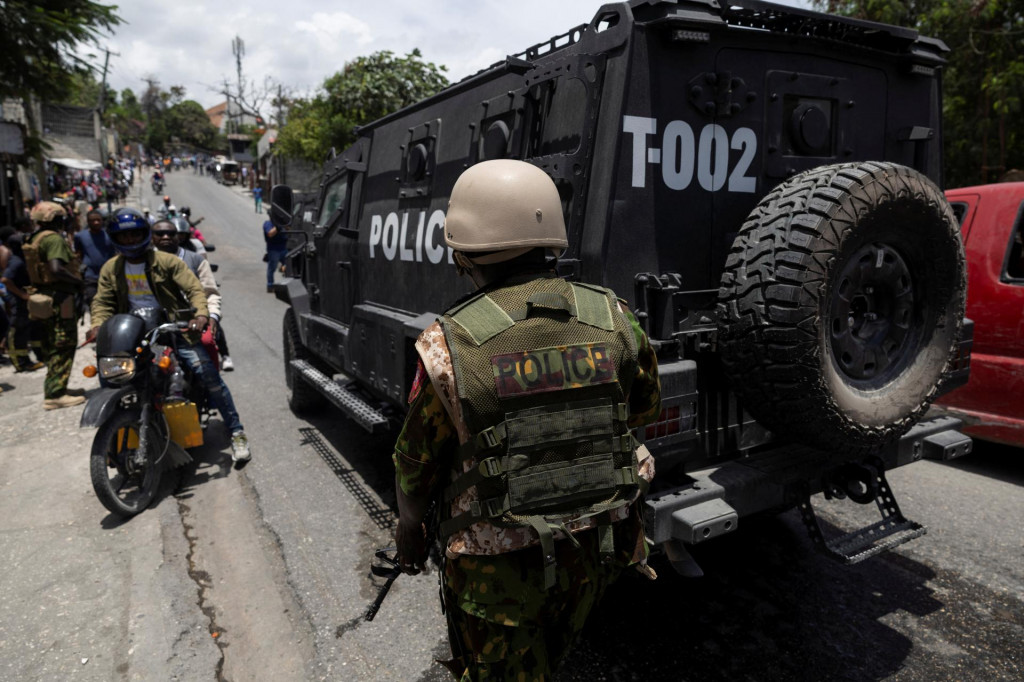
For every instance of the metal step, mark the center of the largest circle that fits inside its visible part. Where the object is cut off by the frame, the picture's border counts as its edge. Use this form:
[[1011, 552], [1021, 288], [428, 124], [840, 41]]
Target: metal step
[[893, 530], [360, 411]]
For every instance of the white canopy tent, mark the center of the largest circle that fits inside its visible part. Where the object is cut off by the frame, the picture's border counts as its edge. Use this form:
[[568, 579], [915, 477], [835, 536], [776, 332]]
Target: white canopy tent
[[78, 164]]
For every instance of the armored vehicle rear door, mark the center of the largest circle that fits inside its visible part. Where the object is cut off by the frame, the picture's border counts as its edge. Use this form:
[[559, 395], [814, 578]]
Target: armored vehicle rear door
[[777, 114]]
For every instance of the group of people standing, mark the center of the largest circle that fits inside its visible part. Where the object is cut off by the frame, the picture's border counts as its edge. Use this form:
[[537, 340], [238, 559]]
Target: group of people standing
[[52, 275]]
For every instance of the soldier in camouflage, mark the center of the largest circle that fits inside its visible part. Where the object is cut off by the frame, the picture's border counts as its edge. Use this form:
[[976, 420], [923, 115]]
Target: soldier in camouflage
[[53, 271], [529, 374]]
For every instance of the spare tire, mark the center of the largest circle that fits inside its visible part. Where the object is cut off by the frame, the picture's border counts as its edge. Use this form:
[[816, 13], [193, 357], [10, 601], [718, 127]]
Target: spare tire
[[840, 303]]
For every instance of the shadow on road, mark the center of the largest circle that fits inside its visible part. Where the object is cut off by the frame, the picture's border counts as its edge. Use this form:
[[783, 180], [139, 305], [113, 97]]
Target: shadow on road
[[767, 608], [209, 462], [366, 463]]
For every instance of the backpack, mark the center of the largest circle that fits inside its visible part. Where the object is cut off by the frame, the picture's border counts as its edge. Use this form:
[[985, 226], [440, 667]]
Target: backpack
[[38, 270]]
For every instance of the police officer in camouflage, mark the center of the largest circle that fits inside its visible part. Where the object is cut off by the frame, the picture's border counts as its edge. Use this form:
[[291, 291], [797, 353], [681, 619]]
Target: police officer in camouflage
[[519, 425], [53, 271]]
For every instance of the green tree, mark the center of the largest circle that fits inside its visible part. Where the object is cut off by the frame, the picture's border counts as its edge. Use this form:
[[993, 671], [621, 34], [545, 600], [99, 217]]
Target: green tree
[[366, 89], [983, 82], [39, 39], [188, 122], [124, 114], [83, 92]]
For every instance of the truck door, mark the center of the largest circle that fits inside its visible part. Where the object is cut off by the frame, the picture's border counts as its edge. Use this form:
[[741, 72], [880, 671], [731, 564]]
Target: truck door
[[336, 246], [995, 301]]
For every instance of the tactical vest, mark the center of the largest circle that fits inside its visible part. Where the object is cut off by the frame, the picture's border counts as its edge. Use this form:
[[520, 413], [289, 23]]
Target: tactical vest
[[38, 270], [543, 370]]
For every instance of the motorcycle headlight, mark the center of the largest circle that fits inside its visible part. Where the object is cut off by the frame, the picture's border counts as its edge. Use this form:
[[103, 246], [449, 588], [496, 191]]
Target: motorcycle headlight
[[117, 369]]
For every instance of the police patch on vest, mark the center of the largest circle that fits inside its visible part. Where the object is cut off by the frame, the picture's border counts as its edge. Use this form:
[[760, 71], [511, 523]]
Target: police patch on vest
[[552, 369]]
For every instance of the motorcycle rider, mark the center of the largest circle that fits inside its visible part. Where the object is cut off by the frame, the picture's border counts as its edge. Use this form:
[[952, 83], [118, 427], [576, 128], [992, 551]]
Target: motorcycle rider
[[139, 277]]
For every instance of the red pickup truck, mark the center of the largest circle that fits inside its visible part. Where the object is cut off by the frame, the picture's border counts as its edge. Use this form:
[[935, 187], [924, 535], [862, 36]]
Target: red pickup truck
[[992, 221]]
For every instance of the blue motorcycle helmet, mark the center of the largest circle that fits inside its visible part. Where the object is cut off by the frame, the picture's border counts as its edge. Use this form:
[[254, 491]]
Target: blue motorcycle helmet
[[124, 227]]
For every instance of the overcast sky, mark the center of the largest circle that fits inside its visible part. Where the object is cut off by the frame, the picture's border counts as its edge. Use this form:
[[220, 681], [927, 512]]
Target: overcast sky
[[301, 42]]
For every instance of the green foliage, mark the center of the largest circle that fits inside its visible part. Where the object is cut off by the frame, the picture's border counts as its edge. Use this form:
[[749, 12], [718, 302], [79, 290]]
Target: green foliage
[[84, 90], [156, 135], [188, 122], [39, 37], [983, 116], [366, 89]]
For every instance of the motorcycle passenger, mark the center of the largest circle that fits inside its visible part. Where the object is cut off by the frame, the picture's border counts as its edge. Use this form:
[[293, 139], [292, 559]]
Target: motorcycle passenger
[[139, 277], [186, 213], [170, 236]]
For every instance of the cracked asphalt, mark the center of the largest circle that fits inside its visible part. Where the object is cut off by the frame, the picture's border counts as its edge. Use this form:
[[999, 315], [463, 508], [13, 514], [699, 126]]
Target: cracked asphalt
[[263, 573]]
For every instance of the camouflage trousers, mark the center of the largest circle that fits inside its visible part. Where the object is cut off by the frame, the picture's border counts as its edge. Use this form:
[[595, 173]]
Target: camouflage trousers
[[503, 624], [24, 336], [60, 337]]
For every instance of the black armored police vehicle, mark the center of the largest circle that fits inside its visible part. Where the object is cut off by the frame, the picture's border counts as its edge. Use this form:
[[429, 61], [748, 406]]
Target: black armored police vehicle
[[761, 184]]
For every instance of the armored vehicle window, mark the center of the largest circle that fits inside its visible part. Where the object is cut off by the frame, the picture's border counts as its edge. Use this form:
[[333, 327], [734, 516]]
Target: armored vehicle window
[[334, 199], [557, 112]]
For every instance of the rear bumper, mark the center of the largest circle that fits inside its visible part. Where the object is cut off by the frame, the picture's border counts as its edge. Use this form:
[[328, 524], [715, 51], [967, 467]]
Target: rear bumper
[[713, 500], [992, 427]]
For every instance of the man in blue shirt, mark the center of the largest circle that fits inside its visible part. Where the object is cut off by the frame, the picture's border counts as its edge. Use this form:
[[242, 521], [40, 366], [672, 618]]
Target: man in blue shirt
[[257, 194], [95, 248], [277, 249]]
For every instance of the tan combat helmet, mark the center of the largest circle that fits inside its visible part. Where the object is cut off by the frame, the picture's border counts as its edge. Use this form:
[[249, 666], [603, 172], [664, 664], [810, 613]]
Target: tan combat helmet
[[46, 212], [504, 206]]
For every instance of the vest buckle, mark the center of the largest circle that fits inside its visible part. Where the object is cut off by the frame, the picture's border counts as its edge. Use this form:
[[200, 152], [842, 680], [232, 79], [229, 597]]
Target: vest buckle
[[491, 467], [488, 439]]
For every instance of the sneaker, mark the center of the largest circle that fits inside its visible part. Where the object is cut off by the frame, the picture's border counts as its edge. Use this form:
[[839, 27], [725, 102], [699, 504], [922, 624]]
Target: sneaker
[[74, 391], [226, 364], [63, 401], [270, 288], [29, 367], [240, 447]]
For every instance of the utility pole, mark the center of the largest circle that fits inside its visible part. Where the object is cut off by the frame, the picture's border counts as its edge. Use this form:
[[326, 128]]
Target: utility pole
[[280, 107], [238, 49], [103, 84]]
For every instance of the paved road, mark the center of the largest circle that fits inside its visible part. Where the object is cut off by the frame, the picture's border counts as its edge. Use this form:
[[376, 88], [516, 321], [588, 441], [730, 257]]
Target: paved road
[[262, 574]]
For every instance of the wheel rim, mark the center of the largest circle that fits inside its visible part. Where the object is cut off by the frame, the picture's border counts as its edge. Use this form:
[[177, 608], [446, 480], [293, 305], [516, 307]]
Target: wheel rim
[[130, 484], [871, 316]]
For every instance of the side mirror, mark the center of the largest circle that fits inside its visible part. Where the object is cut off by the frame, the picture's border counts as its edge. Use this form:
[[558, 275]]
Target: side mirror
[[281, 206]]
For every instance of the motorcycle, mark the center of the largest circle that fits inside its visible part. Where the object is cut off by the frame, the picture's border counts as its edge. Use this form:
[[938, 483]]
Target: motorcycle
[[158, 186], [147, 411]]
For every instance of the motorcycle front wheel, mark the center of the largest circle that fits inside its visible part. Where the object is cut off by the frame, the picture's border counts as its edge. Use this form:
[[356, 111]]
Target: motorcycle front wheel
[[123, 484]]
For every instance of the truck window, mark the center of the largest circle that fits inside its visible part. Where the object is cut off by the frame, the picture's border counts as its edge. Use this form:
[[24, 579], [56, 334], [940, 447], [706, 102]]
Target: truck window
[[960, 211], [334, 199], [1015, 251]]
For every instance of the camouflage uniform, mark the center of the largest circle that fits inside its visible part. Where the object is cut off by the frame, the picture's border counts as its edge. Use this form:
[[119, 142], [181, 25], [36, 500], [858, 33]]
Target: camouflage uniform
[[60, 331], [502, 623]]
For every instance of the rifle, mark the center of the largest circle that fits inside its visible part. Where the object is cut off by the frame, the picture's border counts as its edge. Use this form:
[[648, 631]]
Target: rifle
[[388, 565], [387, 569]]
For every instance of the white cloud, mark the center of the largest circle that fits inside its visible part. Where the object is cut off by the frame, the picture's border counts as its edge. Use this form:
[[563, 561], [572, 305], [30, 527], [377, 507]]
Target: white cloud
[[298, 43], [330, 30]]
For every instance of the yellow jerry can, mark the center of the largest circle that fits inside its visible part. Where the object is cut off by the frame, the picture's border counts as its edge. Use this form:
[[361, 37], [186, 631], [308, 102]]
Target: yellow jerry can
[[183, 421]]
